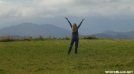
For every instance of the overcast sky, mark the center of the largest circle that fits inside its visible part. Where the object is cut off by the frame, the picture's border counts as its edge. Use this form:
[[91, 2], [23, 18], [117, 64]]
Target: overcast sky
[[102, 11]]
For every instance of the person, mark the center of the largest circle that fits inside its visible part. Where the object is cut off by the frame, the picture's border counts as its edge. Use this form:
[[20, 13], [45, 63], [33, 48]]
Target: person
[[75, 35]]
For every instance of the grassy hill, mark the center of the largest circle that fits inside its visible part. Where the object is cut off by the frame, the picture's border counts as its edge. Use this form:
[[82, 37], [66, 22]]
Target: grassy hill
[[50, 57]]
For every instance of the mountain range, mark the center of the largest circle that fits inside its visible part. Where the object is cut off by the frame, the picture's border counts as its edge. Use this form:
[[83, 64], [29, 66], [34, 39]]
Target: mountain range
[[115, 35], [46, 30], [34, 30]]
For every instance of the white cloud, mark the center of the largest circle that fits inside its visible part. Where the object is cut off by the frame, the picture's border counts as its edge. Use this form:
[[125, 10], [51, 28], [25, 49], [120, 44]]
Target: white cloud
[[52, 8]]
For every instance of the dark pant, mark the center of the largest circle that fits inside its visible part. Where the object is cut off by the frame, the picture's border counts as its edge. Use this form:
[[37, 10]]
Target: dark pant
[[76, 40]]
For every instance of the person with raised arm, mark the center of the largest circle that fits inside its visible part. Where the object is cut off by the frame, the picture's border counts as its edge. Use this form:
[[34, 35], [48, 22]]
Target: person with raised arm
[[75, 35]]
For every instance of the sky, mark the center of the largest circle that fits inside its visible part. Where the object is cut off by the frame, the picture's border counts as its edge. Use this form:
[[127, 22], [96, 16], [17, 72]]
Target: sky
[[99, 15]]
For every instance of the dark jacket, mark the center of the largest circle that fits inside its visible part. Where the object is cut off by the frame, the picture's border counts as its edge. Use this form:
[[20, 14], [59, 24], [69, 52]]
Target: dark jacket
[[75, 33]]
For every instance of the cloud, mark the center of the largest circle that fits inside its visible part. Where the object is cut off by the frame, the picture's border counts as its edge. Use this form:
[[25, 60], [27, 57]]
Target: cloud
[[53, 8]]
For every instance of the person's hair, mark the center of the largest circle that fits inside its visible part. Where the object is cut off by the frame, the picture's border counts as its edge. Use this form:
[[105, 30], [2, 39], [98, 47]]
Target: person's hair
[[74, 27]]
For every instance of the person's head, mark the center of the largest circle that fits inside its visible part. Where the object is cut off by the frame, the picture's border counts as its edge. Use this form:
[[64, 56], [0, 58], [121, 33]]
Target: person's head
[[74, 27]]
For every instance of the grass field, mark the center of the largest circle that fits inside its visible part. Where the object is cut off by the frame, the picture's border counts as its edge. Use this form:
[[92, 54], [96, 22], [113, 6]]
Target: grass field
[[50, 57]]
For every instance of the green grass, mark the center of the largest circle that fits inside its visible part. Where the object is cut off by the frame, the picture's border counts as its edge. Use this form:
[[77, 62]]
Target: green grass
[[50, 57]]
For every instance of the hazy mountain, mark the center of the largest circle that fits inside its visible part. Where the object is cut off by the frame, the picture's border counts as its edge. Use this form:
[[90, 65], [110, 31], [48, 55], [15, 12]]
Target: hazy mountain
[[116, 35], [45, 30], [34, 30], [130, 34]]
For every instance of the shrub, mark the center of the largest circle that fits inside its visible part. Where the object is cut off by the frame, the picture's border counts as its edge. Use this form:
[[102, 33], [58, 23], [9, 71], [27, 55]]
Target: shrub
[[66, 38], [41, 37], [89, 37], [6, 39]]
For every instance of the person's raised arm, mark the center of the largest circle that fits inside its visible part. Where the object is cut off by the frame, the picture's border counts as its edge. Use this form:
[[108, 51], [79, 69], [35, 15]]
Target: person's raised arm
[[81, 23], [68, 21]]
